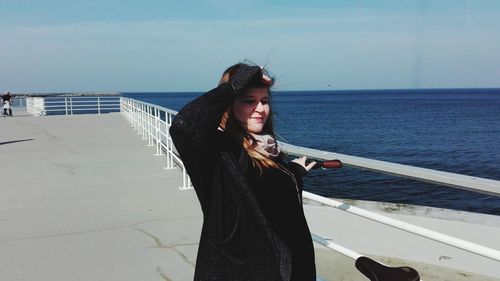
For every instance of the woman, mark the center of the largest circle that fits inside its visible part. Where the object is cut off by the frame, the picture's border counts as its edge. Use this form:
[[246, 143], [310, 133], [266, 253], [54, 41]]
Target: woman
[[254, 226]]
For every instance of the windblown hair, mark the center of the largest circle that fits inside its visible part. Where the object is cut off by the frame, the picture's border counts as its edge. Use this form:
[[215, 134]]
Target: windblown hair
[[231, 126]]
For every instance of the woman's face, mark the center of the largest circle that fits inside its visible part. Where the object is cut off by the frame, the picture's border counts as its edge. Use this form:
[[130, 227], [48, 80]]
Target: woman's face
[[252, 109]]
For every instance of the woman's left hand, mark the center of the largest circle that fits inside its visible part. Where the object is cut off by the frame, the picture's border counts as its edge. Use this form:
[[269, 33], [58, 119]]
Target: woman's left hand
[[302, 162]]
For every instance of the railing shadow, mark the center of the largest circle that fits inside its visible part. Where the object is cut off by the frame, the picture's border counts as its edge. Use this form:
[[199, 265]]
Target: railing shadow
[[15, 141]]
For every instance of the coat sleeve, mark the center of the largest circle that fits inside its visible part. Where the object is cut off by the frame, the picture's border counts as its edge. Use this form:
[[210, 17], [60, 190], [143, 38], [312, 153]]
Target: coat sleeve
[[194, 133]]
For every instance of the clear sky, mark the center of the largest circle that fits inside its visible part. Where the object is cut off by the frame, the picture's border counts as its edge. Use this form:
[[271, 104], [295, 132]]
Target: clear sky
[[167, 45]]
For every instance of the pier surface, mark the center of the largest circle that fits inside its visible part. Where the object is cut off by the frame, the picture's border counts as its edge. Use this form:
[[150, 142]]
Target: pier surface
[[84, 198]]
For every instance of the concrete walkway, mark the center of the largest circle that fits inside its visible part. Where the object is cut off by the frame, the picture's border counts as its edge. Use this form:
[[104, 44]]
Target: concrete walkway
[[83, 198]]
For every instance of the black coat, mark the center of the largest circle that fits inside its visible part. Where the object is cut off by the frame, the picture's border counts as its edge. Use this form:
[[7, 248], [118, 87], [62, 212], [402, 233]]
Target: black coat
[[254, 226]]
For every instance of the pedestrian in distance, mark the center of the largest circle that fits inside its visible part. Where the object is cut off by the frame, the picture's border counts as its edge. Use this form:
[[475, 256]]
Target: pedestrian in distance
[[7, 104], [254, 226]]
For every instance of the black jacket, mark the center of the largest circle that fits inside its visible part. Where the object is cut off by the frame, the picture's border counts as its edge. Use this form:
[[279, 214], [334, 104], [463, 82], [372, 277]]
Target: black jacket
[[254, 226]]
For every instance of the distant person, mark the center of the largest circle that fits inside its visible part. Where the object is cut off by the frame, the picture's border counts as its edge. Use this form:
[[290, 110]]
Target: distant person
[[254, 225], [7, 104]]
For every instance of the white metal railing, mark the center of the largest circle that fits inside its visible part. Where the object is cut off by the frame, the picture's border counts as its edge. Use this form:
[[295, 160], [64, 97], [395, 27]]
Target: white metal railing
[[35, 106], [476, 184], [153, 122], [491, 187], [138, 114], [430, 234], [62, 105]]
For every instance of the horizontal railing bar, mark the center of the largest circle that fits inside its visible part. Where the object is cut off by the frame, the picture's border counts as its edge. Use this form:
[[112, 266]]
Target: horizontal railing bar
[[51, 105], [72, 105], [430, 234], [488, 186], [80, 98], [164, 109], [80, 101], [79, 109], [80, 105], [336, 247]]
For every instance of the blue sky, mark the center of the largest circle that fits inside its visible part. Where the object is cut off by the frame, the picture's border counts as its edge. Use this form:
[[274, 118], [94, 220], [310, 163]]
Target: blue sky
[[129, 46]]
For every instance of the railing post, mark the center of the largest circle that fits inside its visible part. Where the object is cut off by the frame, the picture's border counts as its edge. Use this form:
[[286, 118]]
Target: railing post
[[170, 143], [139, 119], [170, 151], [132, 114], [136, 116], [98, 105], [150, 126], [141, 115], [144, 122], [167, 152], [66, 105], [159, 151]]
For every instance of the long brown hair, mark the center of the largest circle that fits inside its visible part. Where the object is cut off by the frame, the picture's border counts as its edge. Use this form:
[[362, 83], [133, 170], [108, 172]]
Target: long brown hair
[[232, 127]]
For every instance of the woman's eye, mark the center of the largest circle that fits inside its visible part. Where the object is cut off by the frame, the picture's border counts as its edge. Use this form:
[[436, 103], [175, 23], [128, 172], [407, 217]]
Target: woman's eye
[[264, 101], [248, 101]]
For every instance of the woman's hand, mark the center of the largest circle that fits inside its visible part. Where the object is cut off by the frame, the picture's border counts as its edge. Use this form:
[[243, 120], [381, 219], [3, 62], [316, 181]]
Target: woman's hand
[[266, 79], [245, 75], [302, 162]]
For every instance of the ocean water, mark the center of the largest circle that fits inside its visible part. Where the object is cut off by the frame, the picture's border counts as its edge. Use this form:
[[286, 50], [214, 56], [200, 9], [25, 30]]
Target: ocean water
[[453, 130]]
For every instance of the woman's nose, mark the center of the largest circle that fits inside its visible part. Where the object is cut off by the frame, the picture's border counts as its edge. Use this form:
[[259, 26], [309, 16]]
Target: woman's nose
[[260, 107]]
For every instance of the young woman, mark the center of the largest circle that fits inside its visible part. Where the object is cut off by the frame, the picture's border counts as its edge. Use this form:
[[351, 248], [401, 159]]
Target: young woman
[[254, 226]]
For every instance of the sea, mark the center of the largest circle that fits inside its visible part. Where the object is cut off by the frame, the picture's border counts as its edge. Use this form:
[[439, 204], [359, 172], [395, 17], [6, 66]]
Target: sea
[[452, 130]]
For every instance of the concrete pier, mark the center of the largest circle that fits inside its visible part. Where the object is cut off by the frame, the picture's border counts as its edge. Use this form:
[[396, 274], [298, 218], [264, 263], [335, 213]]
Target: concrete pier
[[83, 198]]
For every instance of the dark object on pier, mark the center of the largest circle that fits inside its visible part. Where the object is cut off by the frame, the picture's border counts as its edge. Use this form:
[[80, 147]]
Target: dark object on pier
[[378, 272]]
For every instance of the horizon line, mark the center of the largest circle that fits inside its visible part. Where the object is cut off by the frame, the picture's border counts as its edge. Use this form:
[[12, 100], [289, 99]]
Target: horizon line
[[319, 90]]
